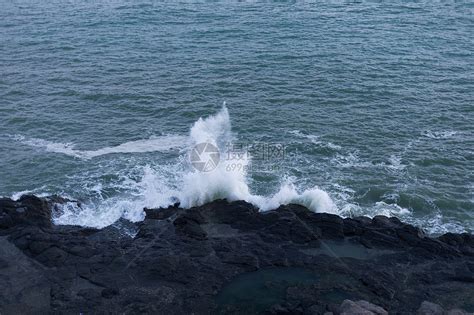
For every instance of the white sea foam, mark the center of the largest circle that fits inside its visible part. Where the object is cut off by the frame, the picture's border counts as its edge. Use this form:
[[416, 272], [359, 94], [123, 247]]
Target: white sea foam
[[160, 187], [231, 182], [18, 195], [38, 192], [315, 139], [436, 224], [390, 210], [395, 163], [439, 135], [350, 160], [153, 144], [149, 191]]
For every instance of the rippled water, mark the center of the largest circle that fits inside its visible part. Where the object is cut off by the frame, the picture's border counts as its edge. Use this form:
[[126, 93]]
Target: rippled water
[[373, 102]]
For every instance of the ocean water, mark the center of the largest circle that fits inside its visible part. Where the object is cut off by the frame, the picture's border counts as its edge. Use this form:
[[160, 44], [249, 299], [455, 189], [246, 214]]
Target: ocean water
[[354, 108]]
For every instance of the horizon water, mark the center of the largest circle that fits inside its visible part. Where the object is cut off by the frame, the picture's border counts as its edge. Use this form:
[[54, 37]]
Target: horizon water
[[372, 104]]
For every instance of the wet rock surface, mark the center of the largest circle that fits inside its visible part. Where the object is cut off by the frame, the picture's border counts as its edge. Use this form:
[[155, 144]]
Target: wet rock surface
[[229, 258]]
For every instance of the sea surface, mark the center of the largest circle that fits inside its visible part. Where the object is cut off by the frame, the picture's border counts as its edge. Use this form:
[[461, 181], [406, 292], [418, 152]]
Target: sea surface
[[348, 107]]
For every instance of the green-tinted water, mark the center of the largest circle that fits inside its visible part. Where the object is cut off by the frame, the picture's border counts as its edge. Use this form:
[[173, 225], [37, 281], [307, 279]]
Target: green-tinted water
[[373, 102]]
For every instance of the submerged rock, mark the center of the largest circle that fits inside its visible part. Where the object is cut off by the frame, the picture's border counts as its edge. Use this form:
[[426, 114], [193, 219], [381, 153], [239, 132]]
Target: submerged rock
[[227, 257]]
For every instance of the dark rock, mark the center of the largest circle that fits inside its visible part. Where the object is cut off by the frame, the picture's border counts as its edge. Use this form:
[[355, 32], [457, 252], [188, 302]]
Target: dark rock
[[189, 226], [53, 256], [28, 210], [428, 308], [457, 312], [161, 214], [109, 293], [227, 257], [332, 226]]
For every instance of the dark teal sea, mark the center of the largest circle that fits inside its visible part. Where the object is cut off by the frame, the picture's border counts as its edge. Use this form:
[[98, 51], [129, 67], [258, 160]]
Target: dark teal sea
[[372, 103]]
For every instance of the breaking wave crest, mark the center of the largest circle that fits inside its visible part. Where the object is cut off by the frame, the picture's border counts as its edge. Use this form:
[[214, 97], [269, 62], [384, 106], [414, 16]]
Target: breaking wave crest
[[231, 182], [152, 184], [189, 186]]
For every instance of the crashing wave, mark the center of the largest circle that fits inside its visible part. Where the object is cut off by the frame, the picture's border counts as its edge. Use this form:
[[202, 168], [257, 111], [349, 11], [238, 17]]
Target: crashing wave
[[190, 186]]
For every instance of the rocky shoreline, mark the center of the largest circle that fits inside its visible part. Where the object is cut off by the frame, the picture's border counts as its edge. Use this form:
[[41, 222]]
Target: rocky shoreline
[[228, 258]]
